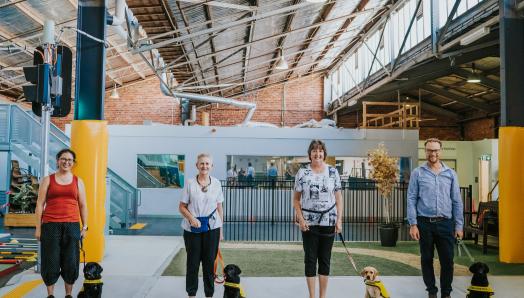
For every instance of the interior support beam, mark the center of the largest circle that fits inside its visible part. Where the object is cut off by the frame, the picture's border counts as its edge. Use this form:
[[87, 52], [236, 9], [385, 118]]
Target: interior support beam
[[311, 35], [464, 100]]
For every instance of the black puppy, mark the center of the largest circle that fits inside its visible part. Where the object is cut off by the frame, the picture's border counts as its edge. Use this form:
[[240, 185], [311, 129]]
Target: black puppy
[[479, 282], [92, 287], [232, 287]]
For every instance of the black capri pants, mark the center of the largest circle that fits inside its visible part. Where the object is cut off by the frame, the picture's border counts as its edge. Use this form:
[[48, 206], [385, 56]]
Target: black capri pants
[[60, 252], [317, 243]]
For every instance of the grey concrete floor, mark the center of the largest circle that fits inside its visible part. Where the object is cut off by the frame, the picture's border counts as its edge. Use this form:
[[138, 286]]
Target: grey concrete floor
[[133, 266]]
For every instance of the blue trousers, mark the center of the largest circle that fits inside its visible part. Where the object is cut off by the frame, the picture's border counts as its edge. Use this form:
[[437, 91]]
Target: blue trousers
[[438, 235]]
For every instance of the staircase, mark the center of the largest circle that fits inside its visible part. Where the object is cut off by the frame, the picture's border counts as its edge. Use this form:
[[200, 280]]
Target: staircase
[[20, 137]]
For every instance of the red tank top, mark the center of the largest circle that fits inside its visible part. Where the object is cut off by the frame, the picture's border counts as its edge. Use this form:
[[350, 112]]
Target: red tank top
[[61, 203]]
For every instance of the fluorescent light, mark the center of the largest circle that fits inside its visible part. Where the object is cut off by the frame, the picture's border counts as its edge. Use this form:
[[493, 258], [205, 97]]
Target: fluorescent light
[[114, 94], [473, 79], [474, 76], [281, 62], [474, 35]]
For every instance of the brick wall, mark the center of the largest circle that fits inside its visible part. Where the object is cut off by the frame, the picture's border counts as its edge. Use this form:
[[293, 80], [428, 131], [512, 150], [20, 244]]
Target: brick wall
[[442, 133], [303, 101], [480, 129], [139, 102], [145, 101]]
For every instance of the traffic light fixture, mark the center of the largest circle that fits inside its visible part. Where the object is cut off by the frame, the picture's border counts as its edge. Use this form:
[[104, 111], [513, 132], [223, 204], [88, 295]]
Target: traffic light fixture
[[52, 83]]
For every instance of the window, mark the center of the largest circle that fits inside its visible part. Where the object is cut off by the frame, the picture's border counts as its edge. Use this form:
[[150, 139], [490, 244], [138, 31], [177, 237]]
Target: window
[[160, 171]]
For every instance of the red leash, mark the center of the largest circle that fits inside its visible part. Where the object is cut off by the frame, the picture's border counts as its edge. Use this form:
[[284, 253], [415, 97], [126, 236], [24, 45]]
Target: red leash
[[219, 279]]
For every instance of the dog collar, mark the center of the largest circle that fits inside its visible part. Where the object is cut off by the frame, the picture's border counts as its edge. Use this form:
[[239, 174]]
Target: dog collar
[[383, 292], [486, 289], [92, 281], [235, 285]]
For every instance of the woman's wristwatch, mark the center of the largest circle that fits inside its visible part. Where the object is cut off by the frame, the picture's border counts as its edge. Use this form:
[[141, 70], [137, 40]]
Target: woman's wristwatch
[[84, 228]]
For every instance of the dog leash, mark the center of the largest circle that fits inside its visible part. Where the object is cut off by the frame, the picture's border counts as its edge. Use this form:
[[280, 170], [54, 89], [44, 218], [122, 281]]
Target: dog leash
[[347, 251], [460, 244], [82, 250], [219, 260]]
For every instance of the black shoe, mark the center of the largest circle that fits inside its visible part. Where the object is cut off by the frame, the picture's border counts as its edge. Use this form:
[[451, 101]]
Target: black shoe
[[68, 296], [432, 295], [50, 296]]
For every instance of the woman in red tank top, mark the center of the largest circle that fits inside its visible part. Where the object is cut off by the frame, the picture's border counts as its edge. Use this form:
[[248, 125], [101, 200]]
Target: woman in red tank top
[[60, 206]]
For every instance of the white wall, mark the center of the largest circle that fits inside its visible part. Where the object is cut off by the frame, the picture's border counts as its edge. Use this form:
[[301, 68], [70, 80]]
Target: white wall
[[126, 141]]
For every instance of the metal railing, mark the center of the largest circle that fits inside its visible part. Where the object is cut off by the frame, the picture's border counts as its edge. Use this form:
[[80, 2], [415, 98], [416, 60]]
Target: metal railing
[[20, 133], [263, 210]]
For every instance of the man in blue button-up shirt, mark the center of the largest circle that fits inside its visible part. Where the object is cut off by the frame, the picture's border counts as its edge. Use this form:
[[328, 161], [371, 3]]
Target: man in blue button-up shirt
[[435, 214]]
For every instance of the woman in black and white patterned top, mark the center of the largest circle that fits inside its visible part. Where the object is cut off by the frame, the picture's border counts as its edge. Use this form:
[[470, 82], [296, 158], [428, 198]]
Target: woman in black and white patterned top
[[318, 204]]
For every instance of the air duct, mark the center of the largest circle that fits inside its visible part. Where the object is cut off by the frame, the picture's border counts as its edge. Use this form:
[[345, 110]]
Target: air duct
[[193, 118], [214, 99]]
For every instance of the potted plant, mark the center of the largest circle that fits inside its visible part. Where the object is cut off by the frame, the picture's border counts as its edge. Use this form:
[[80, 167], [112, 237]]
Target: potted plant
[[385, 173]]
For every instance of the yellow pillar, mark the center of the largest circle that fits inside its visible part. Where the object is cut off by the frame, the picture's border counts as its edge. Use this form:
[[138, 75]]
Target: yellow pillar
[[89, 140], [511, 194]]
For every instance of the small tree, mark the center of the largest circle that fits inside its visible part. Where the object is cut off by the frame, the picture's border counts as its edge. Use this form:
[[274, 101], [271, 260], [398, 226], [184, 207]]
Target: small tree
[[385, 172]]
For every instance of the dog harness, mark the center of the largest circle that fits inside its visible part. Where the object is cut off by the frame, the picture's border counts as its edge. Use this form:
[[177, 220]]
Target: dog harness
[[322, 213], [378, 284], [235, 285], [486, 289], [94, 281]]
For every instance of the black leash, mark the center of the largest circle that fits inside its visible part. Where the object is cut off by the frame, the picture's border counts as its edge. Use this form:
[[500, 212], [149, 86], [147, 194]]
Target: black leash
[[82, 250], [347, 251]]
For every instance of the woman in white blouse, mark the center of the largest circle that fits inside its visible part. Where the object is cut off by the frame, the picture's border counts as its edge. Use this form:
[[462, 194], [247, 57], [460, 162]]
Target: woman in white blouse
[[201, 206], [318, 205]]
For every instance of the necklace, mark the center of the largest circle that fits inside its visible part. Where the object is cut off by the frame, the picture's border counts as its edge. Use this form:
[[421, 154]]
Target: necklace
[[204, 188]]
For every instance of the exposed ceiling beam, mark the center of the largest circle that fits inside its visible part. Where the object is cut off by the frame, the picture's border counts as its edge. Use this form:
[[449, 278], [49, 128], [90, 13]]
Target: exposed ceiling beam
[[252, 67], [186, 24], [12, 2], [456, 97], [207, 13], [326, 10], [270, 38], [336, 36], [33, 14], [220, 27], [280, 43], [264, 77], [221, 4], [421, 68], [483, 79], [250, 31]]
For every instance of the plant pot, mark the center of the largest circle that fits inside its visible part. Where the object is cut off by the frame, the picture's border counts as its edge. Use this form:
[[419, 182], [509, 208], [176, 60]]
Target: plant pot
[[388, 235]]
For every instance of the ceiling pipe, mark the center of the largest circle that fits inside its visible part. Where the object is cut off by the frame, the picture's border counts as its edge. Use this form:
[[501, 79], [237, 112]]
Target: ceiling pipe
[[116, 20], [214, 99], [167, 91]]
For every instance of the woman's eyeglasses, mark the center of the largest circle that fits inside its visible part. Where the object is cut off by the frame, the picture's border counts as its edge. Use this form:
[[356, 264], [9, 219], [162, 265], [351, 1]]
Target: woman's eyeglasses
[[68, 160]]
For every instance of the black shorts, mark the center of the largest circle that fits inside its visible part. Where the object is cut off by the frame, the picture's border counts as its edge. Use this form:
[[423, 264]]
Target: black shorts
[[60, 251], [317, 243]]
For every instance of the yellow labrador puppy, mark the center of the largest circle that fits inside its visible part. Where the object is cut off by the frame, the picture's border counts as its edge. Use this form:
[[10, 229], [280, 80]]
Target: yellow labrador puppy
[[374, 287]]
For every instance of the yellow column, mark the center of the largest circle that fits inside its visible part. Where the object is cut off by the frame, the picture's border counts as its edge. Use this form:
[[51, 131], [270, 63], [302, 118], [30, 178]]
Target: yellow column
[[89, 140], [511, 194]]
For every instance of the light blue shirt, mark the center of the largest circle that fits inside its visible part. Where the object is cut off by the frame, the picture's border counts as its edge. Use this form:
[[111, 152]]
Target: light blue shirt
[[435, 195], [272, 171]]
